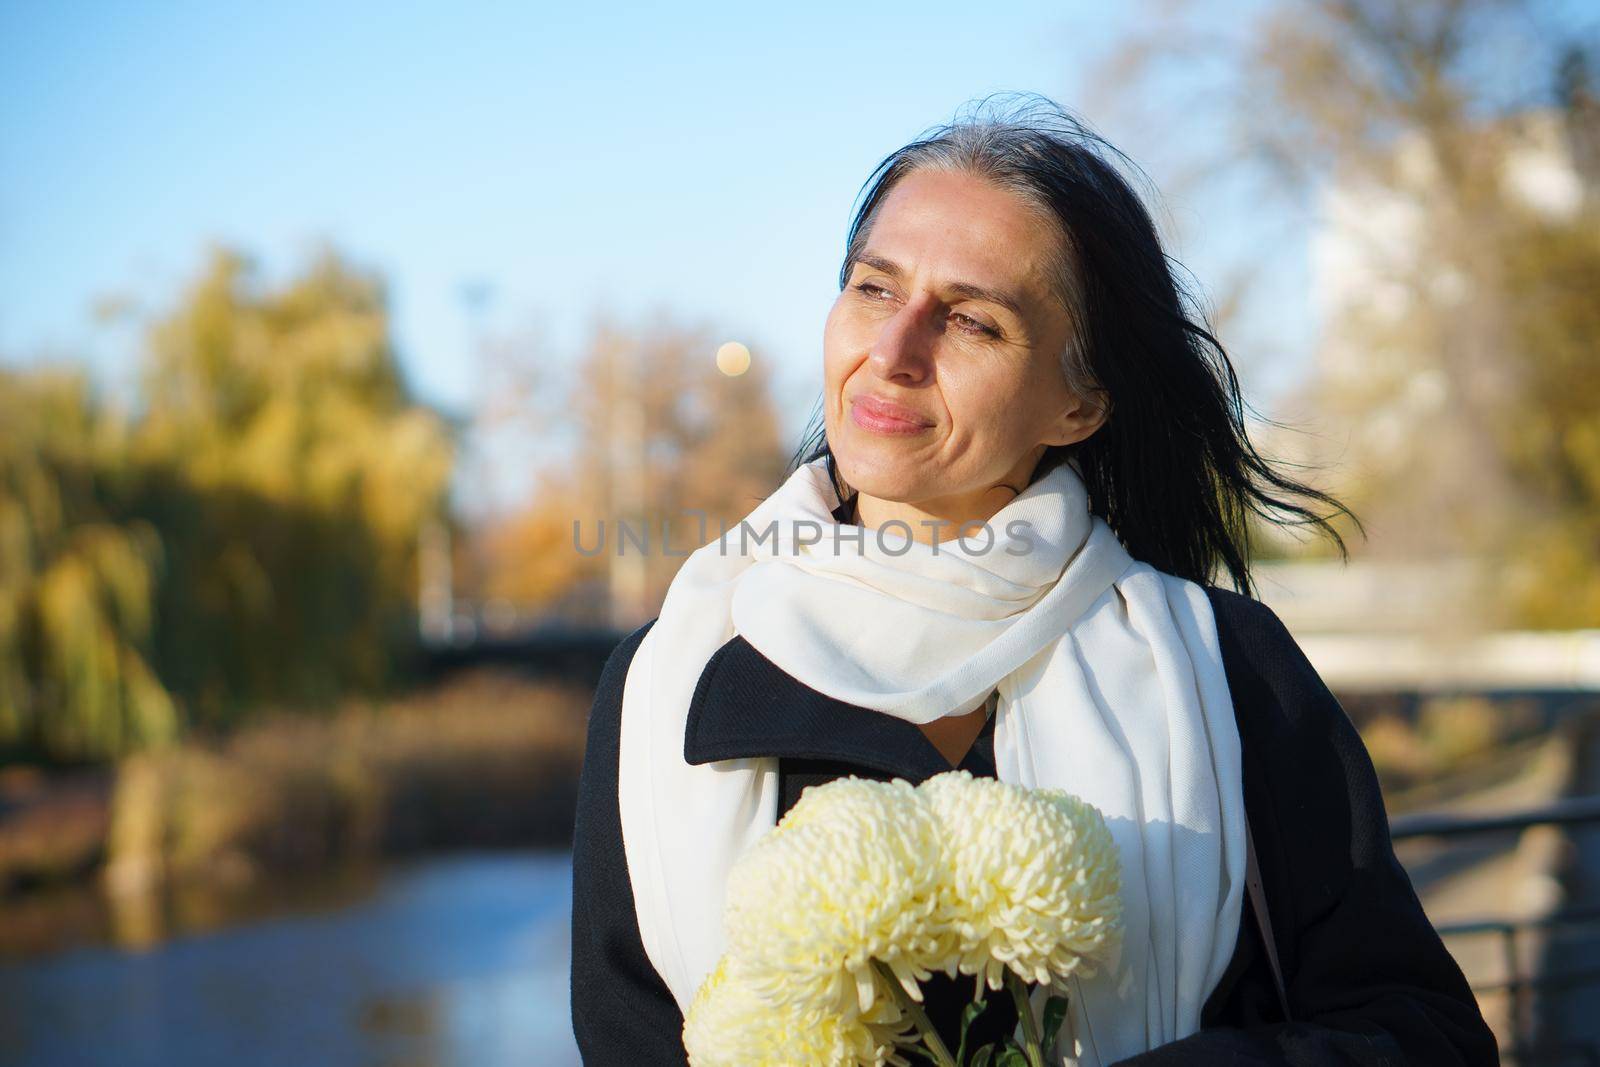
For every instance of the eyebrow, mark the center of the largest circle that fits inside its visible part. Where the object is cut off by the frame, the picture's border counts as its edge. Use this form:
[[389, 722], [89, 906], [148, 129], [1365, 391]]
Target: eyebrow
[[966, 289]]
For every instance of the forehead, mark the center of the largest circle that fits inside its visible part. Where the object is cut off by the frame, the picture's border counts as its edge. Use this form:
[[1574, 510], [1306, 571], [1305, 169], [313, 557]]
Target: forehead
[[961, 228]]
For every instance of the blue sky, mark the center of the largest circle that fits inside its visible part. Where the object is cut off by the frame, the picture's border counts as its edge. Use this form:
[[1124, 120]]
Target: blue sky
[[700, 160]]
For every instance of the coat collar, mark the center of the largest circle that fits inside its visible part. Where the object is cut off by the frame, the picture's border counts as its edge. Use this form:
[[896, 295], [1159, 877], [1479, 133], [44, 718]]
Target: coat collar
[[746, 706]]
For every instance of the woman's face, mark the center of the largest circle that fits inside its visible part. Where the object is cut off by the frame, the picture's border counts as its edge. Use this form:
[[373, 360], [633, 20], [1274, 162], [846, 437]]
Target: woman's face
[[942, 354]]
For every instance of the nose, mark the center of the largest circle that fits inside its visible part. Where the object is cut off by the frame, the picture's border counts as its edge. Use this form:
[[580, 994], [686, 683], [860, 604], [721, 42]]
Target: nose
[[903, 349]]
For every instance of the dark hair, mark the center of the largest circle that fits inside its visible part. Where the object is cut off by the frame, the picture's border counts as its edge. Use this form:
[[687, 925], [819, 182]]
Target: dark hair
[[1172, 469]]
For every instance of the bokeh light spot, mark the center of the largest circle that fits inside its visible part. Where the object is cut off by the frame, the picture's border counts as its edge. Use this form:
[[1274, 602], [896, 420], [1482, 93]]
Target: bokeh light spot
[[733, 359]]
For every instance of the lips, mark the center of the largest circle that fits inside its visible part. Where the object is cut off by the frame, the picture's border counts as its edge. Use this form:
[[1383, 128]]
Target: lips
[[885, 416]]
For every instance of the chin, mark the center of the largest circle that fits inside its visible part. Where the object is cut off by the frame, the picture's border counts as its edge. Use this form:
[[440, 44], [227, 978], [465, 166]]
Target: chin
[[886, 470]]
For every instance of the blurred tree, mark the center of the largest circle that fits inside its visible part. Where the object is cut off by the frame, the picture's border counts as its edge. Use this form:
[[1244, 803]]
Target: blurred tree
[[290, 472], [1459, 194], [76, 582], [1552, 437], [247, 536], [527, 559], [657, 432]]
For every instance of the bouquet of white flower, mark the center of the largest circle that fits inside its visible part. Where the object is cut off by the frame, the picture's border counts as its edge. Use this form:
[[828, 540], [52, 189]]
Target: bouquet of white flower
[[865, 889]]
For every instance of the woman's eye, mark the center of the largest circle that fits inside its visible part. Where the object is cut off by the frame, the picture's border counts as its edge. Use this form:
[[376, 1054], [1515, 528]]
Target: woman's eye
[[977, 327], [969, 324]]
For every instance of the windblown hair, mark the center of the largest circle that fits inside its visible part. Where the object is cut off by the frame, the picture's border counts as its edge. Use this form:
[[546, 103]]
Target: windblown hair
[[1172, 469]]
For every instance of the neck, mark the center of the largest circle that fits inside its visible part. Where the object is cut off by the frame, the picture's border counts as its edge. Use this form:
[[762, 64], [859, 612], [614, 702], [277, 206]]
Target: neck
[[945, 517]]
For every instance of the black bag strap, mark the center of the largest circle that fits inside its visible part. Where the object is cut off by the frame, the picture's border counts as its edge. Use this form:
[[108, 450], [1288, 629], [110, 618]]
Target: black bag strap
[[1258, 902]]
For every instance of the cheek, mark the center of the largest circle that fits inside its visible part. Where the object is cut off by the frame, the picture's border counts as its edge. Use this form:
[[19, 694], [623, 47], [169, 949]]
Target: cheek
[[997, 403], [836, 367], [981, 396], [840, 348]]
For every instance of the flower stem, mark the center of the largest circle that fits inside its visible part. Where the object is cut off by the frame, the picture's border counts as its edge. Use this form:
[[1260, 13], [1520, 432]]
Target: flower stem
[[1030, 1025], [930, 1036]]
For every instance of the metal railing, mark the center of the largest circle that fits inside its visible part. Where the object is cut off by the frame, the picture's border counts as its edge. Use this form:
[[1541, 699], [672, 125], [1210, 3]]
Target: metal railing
[[1560, 813], [1526, 1048]]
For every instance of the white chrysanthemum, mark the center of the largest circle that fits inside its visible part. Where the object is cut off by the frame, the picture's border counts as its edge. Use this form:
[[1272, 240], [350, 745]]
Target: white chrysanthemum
[[1034, 879], [729, 1025], [852, 873]]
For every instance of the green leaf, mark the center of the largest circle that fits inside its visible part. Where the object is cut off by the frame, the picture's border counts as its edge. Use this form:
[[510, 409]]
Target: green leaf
[[969, 1013], [1012, 1057], [985, 1054], [1055, 1013]]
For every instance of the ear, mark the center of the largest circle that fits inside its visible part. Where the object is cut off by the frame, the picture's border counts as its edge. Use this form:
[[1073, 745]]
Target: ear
[[1079, 419]]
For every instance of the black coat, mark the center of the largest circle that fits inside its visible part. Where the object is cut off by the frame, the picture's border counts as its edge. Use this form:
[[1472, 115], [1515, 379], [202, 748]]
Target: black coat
[[1369, 981]]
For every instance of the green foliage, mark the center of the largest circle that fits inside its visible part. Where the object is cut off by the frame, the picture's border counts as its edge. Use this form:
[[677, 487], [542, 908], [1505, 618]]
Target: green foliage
[[968, 1014], [77, 581], [249, 538], [1552, 436], [1055, 1013]]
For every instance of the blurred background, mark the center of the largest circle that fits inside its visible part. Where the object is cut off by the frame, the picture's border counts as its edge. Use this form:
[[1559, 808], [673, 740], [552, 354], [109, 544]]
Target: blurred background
[[321, 325]]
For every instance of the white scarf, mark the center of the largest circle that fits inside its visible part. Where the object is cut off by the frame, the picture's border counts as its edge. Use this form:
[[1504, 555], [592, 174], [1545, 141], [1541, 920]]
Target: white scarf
[[1111, 687]]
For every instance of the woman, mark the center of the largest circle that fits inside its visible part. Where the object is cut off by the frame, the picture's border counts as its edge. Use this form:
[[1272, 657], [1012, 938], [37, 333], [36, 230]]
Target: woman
[[1009, 352]]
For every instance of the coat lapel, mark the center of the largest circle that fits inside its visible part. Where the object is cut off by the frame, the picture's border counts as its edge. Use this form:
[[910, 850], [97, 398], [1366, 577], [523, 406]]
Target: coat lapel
[[746, 706]]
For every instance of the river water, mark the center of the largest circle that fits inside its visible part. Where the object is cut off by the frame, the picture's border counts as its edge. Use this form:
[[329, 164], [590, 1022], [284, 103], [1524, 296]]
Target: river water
[[458, 959]]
